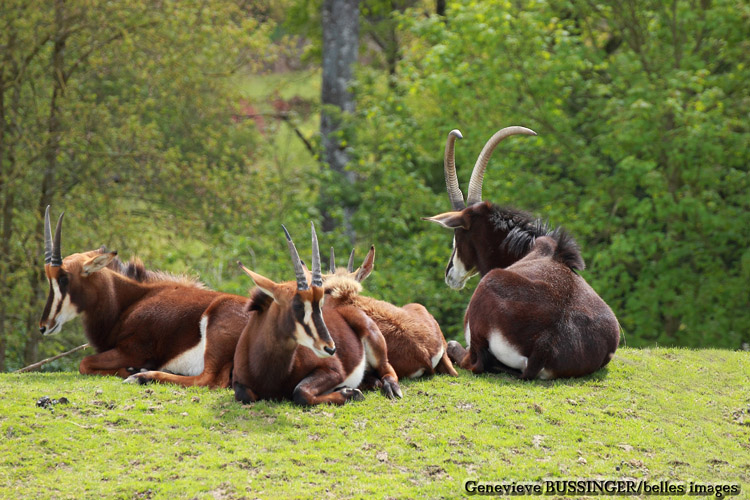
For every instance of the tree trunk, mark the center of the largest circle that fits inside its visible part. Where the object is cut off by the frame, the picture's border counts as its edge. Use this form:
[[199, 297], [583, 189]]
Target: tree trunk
[[340, 48], [440, 8]]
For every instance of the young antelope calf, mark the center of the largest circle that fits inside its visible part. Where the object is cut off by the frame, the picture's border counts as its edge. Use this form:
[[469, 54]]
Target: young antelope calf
[[416, 345]]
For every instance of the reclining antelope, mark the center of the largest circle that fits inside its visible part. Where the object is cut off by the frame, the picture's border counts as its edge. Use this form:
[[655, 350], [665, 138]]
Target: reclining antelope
[[531, 314], [416, 345], [297, 346], [141, 320]]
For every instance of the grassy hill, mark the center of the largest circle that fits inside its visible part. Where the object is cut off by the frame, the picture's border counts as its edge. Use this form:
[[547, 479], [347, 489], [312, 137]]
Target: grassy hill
[[653, 415]]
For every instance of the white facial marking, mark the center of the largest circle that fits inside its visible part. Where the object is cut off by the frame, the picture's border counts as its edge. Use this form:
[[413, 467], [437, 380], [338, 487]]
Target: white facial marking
[[467, 335], [458, 275], [437, 357], [308, 314], [303, 338], [67, 312], [190, 362], [505, 352]]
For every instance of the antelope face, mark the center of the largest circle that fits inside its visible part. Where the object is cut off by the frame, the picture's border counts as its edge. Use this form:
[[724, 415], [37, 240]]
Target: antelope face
[[459, 270], [71, 279], [310, 329], [462, 264], [59, 308]]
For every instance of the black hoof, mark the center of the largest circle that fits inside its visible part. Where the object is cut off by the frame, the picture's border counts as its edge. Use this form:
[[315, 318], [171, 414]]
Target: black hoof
[[139, 379], [392, 390], [352, 394]]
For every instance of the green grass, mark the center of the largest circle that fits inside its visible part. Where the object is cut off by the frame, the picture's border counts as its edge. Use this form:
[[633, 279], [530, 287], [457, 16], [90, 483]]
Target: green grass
[[653, 414]]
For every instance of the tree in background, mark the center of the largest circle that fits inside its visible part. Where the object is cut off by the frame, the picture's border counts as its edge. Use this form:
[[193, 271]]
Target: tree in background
[[340, 47], [120, 115], [643, 149], [130, 118]]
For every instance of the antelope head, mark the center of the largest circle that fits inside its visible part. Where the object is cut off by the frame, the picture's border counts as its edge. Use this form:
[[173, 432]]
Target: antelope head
[[305, 303], [464, 260], [359, 274], [68, 279]]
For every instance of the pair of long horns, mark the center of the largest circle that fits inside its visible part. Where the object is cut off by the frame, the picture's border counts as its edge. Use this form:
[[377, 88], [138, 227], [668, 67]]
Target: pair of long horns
[[52, 255], [477, 175], [299, 268], [349, 266]]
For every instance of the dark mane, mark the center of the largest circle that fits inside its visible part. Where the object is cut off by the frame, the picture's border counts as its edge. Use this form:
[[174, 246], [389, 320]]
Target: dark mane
[[135, 270], [523, 229], [259, 301], [567, 251]]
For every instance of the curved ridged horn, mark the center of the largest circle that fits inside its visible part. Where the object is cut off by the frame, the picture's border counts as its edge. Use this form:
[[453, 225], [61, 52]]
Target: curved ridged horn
[[350, 265], [47, 237], [477, 175], [56, 260], [317, 277], [298, 269], [332, 263], [449, 166]]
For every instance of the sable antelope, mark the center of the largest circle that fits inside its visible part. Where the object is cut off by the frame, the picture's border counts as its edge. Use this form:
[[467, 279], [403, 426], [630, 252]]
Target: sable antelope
[[287, 349], [531, 314], [416, 345], [141, 320]]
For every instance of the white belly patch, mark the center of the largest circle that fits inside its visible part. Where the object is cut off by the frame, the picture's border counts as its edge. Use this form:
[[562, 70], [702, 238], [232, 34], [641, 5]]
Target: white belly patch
[[437, 357], [505, 352], [190, 362], [355, 377]]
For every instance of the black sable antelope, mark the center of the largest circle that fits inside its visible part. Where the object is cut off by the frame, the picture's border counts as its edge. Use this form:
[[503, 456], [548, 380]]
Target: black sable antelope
[[298, 347], [416, 345], [531, 315], [141, 320]]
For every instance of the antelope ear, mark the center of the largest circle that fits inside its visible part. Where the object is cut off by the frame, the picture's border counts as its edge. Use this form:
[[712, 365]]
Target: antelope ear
[[450, 220], [364, 271], [264, 284], [97, 263]]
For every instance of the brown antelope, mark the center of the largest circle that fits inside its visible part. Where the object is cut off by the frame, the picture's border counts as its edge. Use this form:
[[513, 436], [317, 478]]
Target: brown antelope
[[416, 345], [287, 349], [141, 320], [531, 315]]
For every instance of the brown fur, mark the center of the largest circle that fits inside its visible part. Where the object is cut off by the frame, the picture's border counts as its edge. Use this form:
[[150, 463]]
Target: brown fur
[[531, 314], [411, 333], [144, 324], [270, 364], [530, 295]]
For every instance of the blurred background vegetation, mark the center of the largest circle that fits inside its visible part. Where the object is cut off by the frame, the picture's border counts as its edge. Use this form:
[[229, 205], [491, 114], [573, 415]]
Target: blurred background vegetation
[[185, 132]]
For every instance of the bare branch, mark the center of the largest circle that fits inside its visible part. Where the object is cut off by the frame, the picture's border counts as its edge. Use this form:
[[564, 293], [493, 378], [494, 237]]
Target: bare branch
[[43, 362]]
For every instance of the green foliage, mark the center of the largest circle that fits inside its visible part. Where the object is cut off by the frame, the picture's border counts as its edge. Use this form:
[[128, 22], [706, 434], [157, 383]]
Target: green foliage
[[115, 440], [642, 152], [155, 128], [144, 147]]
